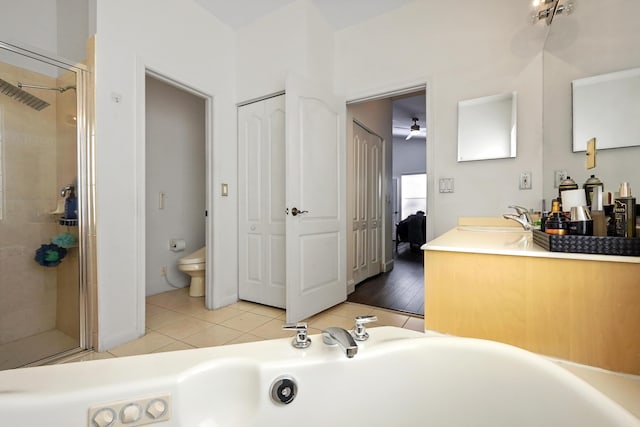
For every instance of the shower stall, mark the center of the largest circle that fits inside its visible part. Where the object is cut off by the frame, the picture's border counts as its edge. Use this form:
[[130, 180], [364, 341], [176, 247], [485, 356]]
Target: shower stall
[[46, 209]]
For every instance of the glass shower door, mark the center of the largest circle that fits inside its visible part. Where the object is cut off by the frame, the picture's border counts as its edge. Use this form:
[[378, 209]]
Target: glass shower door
[[41, 309]]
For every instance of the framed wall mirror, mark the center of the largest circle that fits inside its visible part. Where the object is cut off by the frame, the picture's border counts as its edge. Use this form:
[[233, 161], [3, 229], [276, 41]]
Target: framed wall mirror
[[487, 127], [607, 107]]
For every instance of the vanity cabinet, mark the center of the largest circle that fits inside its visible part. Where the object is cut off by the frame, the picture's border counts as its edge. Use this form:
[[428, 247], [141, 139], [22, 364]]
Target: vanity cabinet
[[500, 286]]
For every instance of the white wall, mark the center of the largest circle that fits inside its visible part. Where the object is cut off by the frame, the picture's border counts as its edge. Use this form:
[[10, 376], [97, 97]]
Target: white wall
[[30, 23], [58, 28], [184, 42], [175, 166], [409, 156], [591, 41], [72, 28], [294, 38], [461, 58]]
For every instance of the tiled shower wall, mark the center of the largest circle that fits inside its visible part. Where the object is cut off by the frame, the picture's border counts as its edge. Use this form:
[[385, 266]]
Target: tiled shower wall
[[31, 189]]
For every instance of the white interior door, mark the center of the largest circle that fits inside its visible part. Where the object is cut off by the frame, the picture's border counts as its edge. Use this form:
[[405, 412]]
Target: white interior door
[[367, 212], [315, 185], [261, 206]]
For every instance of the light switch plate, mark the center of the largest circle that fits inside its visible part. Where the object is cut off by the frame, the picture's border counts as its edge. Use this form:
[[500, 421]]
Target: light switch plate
[[445, 185], [559, 176], [525, 180]]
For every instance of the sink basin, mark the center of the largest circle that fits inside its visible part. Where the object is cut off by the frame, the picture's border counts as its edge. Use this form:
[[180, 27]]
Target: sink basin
[[490, 229]]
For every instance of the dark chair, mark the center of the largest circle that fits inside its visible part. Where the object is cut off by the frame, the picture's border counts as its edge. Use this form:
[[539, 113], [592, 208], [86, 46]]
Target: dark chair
[[412, 230]]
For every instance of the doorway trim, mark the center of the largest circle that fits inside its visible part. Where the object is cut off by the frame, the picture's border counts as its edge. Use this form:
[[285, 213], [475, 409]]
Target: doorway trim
[[144, 70]]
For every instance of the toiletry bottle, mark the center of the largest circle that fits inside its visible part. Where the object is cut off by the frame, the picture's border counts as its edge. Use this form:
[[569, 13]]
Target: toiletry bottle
[[624, 212], [590, 186], [71, 205], [556, 223], [566, 184]]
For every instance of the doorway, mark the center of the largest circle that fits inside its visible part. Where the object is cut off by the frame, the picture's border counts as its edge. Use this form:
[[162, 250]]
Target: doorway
[[175, 181], [45, 199], [400, 284]]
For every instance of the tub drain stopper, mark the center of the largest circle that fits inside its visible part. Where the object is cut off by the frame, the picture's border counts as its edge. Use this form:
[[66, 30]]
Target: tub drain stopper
[[283, 390]]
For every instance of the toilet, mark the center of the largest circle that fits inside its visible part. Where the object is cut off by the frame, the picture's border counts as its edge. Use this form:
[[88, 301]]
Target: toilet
[[194, 265]]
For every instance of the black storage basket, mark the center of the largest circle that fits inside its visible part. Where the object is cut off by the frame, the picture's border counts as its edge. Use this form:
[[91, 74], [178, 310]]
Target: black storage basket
[[603, 245]]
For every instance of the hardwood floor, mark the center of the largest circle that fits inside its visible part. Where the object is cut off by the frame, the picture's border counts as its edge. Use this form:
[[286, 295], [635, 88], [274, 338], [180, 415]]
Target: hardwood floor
[[400, 289]]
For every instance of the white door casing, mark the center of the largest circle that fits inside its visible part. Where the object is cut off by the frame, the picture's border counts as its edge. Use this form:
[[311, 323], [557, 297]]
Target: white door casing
[[367, 209], [261, 205], [315, 182]]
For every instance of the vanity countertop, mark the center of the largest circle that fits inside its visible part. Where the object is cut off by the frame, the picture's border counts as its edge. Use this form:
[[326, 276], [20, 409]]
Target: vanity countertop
[[500, 240]]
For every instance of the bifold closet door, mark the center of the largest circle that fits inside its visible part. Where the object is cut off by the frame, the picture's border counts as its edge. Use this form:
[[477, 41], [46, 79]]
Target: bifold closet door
[[261, 180], [367, 212]]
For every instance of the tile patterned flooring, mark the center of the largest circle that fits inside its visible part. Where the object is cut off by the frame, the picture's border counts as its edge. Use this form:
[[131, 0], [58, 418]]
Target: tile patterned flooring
[[176, 321]]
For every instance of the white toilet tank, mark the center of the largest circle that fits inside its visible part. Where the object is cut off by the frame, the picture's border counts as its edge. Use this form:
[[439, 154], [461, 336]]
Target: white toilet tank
[[197, 257]]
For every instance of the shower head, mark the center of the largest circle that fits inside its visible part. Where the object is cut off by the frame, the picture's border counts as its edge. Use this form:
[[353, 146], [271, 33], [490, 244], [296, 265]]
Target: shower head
[[22, 96], [60, 89]]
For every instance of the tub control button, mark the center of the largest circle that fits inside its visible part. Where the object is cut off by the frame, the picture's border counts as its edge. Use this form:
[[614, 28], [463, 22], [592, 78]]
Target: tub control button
[[130, 413], [104, 418], [156, 408]]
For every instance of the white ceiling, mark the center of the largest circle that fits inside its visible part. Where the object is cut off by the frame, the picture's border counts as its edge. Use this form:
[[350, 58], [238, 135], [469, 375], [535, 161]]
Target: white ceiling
[[339, 13]]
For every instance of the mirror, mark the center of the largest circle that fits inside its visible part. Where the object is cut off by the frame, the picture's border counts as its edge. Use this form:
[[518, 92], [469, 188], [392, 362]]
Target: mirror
[[487, 128], [595, 39], [607, 107]]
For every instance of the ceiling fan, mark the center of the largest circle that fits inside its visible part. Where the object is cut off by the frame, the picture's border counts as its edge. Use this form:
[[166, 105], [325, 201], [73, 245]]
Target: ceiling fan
[[413, 131]]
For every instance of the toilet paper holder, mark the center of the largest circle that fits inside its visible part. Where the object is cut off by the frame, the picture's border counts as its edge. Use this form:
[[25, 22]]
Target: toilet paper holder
[[177, 245]]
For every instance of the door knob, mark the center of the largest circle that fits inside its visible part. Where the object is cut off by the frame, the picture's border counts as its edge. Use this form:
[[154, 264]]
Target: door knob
[[295, 211]]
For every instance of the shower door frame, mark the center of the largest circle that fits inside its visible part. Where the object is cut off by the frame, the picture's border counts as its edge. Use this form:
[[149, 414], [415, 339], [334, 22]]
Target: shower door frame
[[85, 161]]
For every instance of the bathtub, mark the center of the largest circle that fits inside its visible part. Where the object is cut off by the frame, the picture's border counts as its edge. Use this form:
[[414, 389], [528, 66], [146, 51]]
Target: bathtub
[[398, 378]]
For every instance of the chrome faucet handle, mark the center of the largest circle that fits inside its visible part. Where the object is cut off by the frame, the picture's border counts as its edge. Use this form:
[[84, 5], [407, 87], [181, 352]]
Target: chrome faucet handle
[[519, 209], [524, 213], [301, 340], [360, 332]]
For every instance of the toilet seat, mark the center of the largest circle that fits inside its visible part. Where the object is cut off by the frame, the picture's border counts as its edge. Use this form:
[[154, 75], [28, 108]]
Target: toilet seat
[[197, 257]]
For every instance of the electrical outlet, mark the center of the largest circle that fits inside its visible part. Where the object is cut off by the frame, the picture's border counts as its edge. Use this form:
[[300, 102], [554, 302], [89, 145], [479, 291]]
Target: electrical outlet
[[525, 180], [163, 271], [559, 176]]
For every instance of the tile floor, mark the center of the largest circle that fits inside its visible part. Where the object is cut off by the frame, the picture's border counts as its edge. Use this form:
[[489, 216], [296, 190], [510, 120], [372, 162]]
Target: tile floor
[[176, 321], [34, 348]]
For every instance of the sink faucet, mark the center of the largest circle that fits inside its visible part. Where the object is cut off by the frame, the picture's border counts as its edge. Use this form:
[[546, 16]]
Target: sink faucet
[[341, 337], [523, 217]]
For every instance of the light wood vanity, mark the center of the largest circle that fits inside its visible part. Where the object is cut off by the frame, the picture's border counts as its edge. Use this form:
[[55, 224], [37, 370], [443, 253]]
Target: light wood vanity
[[495, 283]]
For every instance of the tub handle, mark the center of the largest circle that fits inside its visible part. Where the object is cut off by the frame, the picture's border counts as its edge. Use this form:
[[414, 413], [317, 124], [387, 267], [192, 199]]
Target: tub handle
[[301, 340], [359, 331]]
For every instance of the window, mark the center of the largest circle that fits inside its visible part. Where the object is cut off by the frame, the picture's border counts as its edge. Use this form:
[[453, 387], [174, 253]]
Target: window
[[413, 189]]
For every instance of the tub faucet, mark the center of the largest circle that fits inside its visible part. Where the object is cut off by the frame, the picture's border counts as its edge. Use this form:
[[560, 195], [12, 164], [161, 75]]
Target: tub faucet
[[341, 337], [523, 217]]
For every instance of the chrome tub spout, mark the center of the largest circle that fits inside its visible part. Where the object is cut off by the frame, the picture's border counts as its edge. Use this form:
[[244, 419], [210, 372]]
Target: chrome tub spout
[[341, 337]]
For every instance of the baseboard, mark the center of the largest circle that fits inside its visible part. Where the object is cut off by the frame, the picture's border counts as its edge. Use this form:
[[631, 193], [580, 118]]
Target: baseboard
[[387, 266], [351, 287]]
